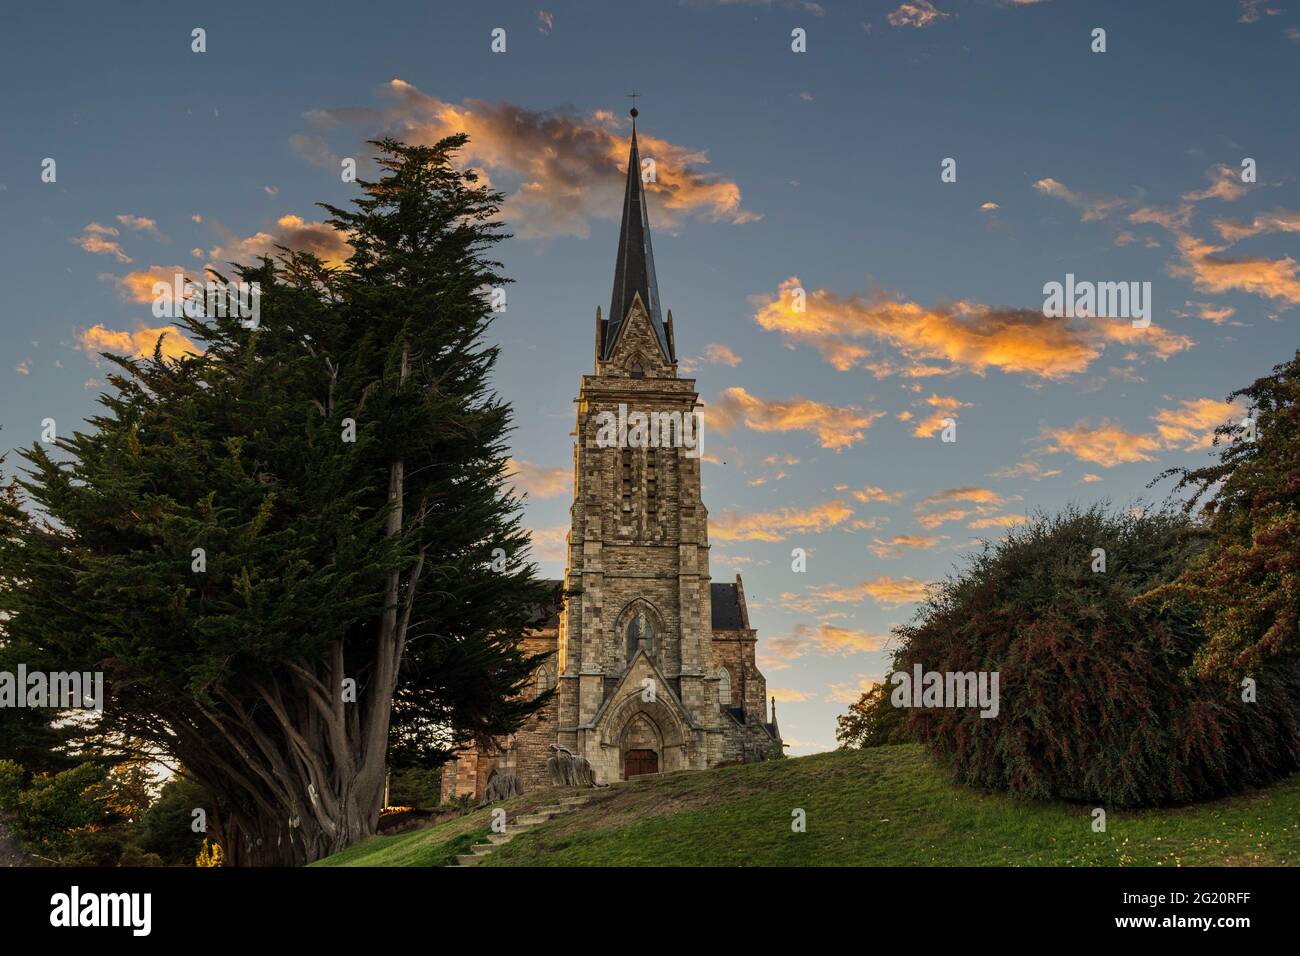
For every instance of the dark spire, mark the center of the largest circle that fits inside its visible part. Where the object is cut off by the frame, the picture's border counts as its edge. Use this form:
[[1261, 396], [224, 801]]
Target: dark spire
[[634, 269]]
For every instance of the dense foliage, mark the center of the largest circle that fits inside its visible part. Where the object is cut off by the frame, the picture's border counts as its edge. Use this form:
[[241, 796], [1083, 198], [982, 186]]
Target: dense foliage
[[1098, 698], [294, 555], [1248, 581], [872, 721]]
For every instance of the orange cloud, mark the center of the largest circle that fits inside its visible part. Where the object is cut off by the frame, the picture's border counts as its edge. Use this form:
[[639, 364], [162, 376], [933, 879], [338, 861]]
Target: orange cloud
[[139, 343], [1093, 207], [971, 337], [788, 695], [983, 496], [778, 525], [899, 543], [1225, 184], [536, 481], [100, 240], [835, 428], [293, 232], [1278, 220], [945, 407], [1107, 444], [137, 285], [1218, 314], [822, 638], [568, 168], [936, 518], [1026, 469], [872, 493], [140, 224], [851, 693], [916, 13], [551, 544], [996, 521], [1191, 425], [1188, 426], [886, 591], [716, 353], [1270, 278]]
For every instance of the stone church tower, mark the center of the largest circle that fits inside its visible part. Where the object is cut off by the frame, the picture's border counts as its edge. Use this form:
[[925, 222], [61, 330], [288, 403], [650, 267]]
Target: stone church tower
[[654, 665]]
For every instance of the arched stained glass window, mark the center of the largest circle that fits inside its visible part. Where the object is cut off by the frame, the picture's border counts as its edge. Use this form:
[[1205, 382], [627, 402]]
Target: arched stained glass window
[[724, 687]]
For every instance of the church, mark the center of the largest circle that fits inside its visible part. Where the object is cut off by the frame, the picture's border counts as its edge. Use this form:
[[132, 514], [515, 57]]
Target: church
[[652, 663]]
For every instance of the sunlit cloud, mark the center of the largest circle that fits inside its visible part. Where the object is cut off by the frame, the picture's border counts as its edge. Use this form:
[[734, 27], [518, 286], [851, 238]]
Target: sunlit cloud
[[551, 544], [945, 408], [851, 692], [1028, 468], [101, 240], [996, 521], [141, 224], [1217, 274], [563, 169], [917, 13], [885, 591], [536, 481], [1188, 426], [971, 337], [788, 695], [1277, 220], [715, 353], [872, 493], [1225, 184], [1091, 207], [138, 343], [294, 233], [1191, 424], [1107, 443], [824, 638], [137, 285], [900, 543], [779, 525], [835, 428], [973, 494]]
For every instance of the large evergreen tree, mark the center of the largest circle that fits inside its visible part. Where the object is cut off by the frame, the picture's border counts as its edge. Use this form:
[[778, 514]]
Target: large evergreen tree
[[266, 545]]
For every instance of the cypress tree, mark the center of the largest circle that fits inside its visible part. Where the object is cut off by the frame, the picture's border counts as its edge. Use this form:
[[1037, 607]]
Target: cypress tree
[[298, 546]]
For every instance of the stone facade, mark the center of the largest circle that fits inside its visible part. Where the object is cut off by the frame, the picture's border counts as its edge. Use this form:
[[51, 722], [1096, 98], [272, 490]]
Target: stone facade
[[649, 656]]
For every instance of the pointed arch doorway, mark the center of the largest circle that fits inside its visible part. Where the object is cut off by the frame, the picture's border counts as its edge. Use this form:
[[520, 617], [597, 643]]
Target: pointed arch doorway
[[641, 744]]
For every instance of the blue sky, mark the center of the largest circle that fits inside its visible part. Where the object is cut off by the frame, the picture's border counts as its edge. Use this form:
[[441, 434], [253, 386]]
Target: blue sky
[[776, 169]]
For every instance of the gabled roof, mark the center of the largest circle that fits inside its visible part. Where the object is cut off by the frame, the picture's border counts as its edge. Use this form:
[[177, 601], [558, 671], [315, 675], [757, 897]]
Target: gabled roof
[[634, 265]]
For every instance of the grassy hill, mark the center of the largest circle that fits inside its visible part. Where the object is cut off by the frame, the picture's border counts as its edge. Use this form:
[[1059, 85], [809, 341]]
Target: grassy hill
[[886, 806]]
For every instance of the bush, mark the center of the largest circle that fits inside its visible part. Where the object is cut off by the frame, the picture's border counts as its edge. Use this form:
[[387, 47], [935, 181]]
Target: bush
[[872, 721], [1098, 699]]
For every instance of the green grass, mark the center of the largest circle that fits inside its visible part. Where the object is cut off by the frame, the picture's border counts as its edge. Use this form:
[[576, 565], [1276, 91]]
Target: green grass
[[887, 806]]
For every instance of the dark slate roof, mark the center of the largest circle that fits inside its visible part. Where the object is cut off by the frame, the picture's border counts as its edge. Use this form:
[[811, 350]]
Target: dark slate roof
[[634, 266], [725, 598], [547, 614], [726, 607]]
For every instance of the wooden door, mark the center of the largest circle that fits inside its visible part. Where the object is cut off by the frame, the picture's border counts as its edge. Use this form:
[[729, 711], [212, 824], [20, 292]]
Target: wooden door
[[638, 762]]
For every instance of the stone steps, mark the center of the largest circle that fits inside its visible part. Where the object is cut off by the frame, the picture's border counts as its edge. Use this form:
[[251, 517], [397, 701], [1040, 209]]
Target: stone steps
[[521, 824]]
